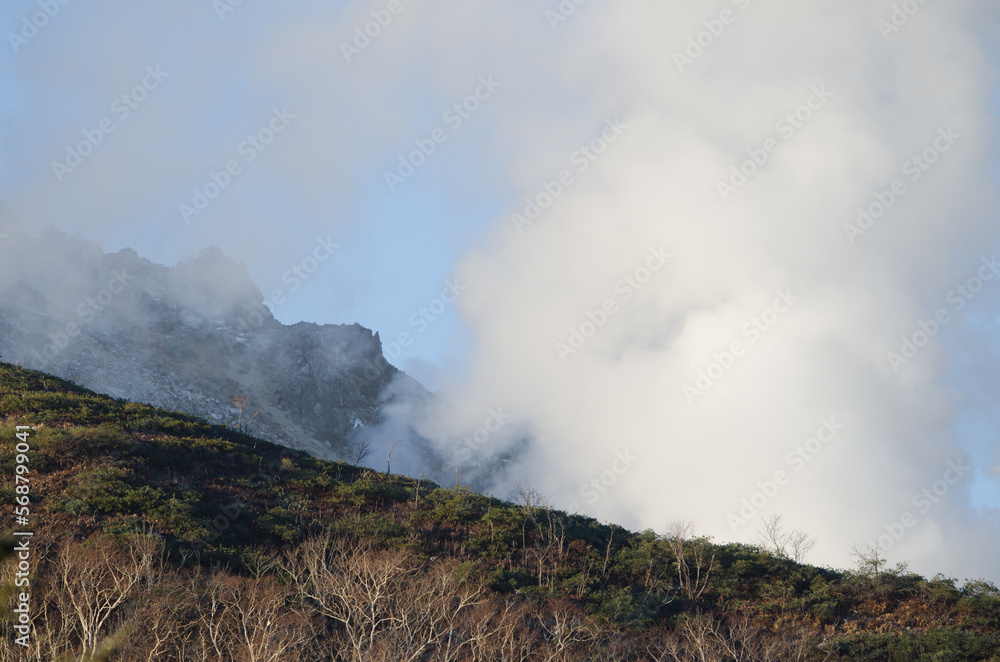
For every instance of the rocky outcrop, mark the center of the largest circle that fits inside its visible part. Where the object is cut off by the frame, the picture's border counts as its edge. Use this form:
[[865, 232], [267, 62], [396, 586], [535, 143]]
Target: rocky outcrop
[[189, 338]]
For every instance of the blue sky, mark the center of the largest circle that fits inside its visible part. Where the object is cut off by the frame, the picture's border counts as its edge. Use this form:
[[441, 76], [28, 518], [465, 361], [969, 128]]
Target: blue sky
[[398, 246], [692, 106]]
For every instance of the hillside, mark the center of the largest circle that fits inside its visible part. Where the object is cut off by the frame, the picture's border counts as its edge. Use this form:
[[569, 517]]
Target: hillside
[[192, 541]]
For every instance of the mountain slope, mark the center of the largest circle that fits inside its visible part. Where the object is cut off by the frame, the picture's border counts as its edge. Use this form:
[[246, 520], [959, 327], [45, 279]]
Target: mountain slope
[[277, 554]]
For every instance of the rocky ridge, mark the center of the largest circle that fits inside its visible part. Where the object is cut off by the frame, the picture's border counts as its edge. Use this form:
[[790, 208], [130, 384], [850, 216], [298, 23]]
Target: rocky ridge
[[190, 338]]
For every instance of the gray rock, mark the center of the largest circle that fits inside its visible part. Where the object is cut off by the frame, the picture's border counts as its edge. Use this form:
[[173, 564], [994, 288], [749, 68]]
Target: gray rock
[[190, 337]]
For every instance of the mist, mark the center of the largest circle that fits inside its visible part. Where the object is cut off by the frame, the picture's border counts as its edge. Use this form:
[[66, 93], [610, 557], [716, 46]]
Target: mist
[[718, 261]]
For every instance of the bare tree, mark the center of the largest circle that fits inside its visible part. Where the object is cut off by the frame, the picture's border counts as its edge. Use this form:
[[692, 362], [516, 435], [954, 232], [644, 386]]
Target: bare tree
[[96, 583], [352, 584], [240, 402], [416, 492], [499, 632], [165, 625], [549, 530], [799, 545], [527, 497], [702, 640], [693, 556], [381, 604], [391, 445], [362, 449], [565, 627], [871, 559], [434, 613], [743, 641], [249, 619], [773, 538]]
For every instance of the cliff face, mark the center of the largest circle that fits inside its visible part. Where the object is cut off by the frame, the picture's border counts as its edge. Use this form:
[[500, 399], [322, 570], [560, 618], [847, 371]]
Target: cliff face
[[188, 338]]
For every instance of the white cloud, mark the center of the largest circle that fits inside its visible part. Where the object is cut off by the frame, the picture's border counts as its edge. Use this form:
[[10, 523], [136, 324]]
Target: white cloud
[[655, 186]]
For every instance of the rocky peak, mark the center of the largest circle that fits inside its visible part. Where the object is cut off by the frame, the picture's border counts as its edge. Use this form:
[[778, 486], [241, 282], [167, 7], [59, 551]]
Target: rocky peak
[[189, 338]]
